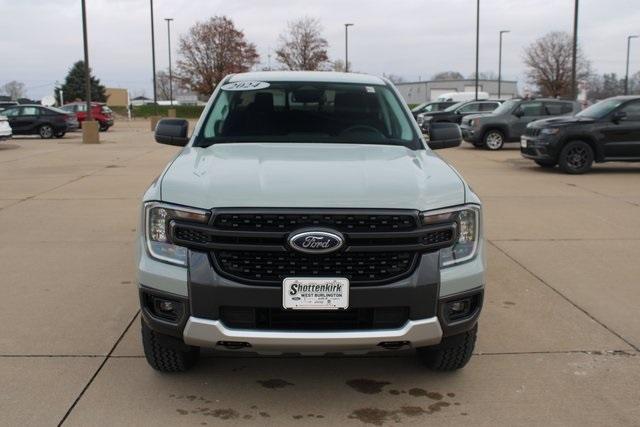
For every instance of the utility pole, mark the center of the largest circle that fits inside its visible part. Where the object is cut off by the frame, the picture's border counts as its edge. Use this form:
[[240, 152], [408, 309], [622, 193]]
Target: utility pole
[[626, 78], [574, 59], [170, 75], [87, 76], [346, 47], [153, 59], [477, 44], [500, 63]]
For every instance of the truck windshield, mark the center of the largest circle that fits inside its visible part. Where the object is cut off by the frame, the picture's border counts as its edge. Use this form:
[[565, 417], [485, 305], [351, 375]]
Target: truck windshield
[[600, 109], [307, 112]]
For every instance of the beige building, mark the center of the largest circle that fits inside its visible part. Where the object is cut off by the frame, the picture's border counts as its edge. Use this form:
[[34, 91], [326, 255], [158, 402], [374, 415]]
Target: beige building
[[117, 97]]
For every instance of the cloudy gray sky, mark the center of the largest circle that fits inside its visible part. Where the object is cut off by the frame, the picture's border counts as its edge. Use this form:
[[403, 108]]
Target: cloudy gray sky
[[40, 39]]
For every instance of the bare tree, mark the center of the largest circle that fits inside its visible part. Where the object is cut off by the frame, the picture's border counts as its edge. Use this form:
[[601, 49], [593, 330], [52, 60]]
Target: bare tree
[[211, 50], [484, 75], [549, 64], [14, 89], [162, 85], [302, 46], [447, 75]]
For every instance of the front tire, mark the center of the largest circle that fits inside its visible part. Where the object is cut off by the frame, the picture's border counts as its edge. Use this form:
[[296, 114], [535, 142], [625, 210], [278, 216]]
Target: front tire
[[493, 140], [46, 132], [104, 127], [451, 354], [164, 357], [576, 158]]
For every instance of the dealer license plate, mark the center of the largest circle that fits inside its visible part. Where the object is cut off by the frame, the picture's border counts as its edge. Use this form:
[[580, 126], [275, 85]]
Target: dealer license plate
[[523, 142], [308, 293]]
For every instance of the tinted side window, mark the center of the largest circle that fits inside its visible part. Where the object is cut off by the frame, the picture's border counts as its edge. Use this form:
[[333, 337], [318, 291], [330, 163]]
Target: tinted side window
[[633, 110], [488, 106], [30, 111], [469, 108], [532, 109], [11, 112], [555, 108]]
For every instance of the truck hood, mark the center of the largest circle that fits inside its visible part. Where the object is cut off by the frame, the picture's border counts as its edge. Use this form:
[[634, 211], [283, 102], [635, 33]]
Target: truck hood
[[561, 121], [311, 175]]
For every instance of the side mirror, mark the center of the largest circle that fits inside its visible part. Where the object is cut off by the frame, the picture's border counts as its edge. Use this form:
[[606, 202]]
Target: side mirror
[[444, 135], [172, 132], [618, 116], [518, 113]]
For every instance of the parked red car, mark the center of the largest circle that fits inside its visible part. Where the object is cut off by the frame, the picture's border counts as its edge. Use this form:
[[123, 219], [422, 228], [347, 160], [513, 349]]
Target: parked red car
[[100, 112]]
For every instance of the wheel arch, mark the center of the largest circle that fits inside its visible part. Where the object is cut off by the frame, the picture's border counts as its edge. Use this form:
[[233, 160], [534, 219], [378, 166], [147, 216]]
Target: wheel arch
[[598, 153]]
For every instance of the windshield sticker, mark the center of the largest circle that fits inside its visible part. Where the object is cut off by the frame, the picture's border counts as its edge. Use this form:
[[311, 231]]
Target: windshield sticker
[[370, 89], [248, 85]]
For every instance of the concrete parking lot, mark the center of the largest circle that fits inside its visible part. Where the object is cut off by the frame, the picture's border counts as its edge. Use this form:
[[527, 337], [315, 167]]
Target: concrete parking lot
[[558, 341]]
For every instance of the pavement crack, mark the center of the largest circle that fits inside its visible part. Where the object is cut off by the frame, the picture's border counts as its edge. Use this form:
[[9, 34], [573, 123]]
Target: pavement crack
[[95, 374]]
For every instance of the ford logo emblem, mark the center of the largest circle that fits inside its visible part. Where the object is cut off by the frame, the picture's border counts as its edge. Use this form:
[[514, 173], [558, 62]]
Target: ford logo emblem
[[316, 242]]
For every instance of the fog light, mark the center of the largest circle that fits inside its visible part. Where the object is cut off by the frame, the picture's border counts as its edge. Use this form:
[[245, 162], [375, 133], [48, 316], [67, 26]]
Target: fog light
[[458, 306], [166, 306], [459, 309]]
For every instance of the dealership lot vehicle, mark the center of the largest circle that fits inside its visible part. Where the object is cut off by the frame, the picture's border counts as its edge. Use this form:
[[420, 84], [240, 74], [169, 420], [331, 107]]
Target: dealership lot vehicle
[[5, 128], [462, 96], [268, 234], [608, 131], [38, 120], [100, 113], [427, 107], [456, 112], [509, 121]]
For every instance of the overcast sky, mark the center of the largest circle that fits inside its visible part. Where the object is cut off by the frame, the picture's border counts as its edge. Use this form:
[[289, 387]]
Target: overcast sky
[[412, 38]]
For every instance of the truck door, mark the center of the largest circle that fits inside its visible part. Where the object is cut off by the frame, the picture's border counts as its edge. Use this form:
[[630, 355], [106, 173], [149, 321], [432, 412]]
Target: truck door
[[622, 136]]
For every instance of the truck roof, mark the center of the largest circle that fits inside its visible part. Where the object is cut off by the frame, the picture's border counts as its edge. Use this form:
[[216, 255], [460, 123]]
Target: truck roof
[[307, 76]]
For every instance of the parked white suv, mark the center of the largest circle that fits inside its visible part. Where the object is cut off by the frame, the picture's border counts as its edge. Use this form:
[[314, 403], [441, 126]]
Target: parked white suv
[[306, 214], [5, 128]]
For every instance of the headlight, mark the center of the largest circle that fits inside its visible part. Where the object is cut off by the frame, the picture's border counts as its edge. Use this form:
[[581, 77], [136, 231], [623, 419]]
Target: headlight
[[467, 219], [549, 131], [158, 216], [427, 118]]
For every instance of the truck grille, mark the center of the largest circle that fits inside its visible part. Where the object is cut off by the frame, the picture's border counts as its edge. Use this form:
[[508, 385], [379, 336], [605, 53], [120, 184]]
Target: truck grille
[[531, 131], [300, 320], [273, 267], [250, 246], [292, 221]]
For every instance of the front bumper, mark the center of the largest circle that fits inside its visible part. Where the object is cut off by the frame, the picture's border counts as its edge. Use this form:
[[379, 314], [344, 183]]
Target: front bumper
[[537, 148], [211, 333], [468, 134]]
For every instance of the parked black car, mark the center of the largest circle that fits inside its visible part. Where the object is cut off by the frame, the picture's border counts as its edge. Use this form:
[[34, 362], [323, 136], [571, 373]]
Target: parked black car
[[509, 121], [604, 132], [428, 107], [456, 112], [38, 120]]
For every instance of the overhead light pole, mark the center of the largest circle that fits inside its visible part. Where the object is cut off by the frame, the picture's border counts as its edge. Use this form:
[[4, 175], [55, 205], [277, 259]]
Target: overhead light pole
[[170, 75], [500, 63], [574, 58], [346, 47], [626, 78], [477, 44], [153, 57], [89, 127]]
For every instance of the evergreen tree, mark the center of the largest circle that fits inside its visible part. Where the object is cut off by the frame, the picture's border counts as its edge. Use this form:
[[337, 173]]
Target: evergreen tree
[[73, 87]]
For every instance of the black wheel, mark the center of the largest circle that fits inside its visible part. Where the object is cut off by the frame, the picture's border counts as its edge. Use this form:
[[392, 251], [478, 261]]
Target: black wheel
[[45, 131], [546, 163], [60, 134], [493, 139], [451, 354], [576, 157], [104, 127], [166, 356]]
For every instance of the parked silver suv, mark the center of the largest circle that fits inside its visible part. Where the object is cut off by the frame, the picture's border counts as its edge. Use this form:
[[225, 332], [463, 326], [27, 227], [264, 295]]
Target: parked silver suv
[[306, 214]]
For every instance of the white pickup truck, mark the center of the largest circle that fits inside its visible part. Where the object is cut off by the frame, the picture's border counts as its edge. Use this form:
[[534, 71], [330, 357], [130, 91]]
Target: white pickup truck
[[307, 214]]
